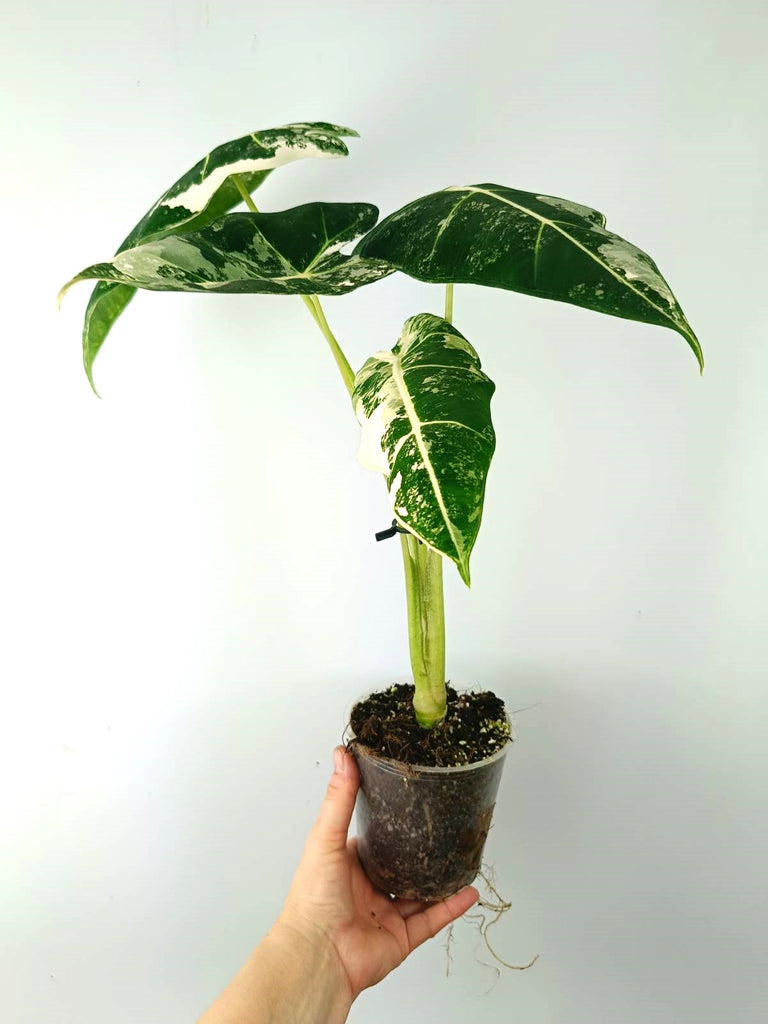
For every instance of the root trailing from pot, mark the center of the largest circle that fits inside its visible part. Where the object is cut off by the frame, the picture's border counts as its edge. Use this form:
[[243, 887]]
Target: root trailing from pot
[[487, 912]]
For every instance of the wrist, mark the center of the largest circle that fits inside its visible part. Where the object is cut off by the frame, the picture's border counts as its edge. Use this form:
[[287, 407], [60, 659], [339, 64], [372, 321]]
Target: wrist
[[294, 976], [311, 969]]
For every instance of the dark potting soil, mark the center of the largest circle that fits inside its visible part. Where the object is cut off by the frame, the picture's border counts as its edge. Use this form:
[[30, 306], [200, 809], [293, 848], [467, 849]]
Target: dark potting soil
[[475, 726]]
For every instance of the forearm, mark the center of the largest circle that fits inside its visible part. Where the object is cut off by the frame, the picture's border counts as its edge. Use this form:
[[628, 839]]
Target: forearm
[[288, 979]]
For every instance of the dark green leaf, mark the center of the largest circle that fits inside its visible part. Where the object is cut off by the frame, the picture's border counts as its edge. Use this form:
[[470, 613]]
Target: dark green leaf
[[425, 412], [540, 245], [292, 252]]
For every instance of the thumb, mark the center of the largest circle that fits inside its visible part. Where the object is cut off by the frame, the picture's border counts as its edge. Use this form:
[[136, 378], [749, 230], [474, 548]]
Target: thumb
[[336, 812]]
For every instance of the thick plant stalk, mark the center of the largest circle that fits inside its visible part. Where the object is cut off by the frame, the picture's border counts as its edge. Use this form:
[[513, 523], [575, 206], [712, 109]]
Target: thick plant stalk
[[426, 629]]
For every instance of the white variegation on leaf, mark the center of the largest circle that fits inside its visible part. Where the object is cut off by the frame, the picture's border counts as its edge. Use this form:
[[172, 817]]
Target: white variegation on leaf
[[425, 414], [200, 196], [540, 245], [294, 252], [252, 157]]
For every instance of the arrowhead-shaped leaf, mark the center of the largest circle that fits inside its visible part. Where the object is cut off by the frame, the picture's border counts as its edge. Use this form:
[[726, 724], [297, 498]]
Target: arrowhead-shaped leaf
[[540, 245], [292, 252], [202, 195], [425, 412]]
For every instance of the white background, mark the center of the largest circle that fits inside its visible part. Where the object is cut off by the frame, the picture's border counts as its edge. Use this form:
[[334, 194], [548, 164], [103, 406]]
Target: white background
[[193, 596]]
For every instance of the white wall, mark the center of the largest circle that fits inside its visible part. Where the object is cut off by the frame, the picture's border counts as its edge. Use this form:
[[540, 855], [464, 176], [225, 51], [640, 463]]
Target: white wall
[[188, 564]]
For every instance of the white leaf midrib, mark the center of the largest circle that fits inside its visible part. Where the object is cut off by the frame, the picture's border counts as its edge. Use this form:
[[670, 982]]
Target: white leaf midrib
[[554, 224], [413, 419]]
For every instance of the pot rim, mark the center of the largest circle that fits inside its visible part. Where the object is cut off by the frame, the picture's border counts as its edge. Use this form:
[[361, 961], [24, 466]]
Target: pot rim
[[407, 769]]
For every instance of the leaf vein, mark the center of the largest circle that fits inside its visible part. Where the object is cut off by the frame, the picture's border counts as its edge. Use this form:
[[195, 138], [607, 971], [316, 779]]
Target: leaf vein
[[554, 225], [412, 415]]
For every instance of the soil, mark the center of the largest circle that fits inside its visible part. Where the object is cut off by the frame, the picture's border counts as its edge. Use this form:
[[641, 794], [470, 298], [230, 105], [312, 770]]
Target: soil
[[475, 726]]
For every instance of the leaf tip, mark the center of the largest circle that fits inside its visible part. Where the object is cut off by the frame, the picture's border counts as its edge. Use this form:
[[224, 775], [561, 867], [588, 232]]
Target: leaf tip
[[89, 375], [694, 343], [88, 365], [463, 567], [62, 292]]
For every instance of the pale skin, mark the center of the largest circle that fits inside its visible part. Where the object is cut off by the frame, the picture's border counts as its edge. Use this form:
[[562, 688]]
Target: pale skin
[[336, 934]]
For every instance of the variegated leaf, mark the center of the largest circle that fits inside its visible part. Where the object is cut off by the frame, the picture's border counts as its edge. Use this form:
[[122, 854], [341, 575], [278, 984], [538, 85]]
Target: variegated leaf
[[425, 412], [540, 245], [292, 252], [204, 193]]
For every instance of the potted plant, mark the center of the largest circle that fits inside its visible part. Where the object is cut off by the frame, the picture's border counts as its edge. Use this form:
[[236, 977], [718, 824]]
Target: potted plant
[[430, 758]]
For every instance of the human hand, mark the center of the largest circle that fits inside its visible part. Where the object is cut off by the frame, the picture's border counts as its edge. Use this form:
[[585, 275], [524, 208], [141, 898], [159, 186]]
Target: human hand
[[336, 935], [331, 901]]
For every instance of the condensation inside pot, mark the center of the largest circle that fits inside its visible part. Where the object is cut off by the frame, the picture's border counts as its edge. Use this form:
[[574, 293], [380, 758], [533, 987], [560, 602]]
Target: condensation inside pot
[[421, 832]]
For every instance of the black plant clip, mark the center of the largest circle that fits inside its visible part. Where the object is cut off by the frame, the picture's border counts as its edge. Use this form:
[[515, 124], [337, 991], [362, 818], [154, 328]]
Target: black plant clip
[[394, 529]]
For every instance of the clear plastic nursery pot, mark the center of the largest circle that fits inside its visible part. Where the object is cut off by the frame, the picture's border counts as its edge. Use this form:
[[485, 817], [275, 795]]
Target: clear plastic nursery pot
[[422, 830]]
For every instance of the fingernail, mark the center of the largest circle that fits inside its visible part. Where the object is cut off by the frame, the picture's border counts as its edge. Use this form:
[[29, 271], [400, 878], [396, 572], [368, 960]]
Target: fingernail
[[338, 761]]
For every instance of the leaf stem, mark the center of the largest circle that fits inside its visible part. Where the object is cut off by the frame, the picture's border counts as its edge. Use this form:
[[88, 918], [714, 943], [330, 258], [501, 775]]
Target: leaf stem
[[449, 303], [247, 198], [312, 302]]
